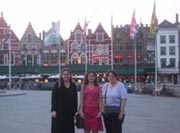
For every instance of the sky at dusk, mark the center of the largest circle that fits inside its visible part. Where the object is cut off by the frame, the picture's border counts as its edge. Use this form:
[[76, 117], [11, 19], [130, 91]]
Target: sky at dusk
[[41, 13]]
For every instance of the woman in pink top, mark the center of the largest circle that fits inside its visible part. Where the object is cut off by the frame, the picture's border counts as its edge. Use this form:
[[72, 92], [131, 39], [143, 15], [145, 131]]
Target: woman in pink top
[[91, 104]]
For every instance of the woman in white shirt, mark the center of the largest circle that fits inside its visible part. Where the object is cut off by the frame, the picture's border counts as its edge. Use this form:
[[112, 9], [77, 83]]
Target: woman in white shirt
[[114, 95]]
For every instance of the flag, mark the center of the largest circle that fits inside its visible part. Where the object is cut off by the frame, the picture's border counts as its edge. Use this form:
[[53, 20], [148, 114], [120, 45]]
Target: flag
[[6, 39], [154, 22], [7, 36], [83, 45], [84, 29], [53, 35], [134, 27]]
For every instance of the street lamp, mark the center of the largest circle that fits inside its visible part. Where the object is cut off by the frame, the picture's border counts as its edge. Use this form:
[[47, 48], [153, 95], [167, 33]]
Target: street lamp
[[24, 65]]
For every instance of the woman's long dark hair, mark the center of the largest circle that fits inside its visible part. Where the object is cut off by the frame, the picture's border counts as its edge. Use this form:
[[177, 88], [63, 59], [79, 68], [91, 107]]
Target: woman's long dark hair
[[61, 80], [86, 78]]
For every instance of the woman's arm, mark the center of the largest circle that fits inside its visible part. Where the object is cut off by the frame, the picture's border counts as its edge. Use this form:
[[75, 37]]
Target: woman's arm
[[100, 100], [54, 100], [123, 105], [122, 108]]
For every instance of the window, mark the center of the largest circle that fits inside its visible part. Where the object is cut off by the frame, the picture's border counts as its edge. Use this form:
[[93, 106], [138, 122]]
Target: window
[[45, 58], [172, 62], [29, 37], [63, 57], [118, 60], [78, 36], [34, 47], [163, 63], [163, 50], [172, 39], [99, 37], [36, 60], [162, 39], [139, 46], [129, 46], [54, 58], [1, 58], [74, 47], [25, 47], [83, 47], [104, 50], [118, 46], [29, 59], [172, 50], [83, 59]]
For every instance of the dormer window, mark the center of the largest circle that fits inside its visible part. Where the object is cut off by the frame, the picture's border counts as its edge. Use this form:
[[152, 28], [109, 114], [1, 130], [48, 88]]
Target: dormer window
[[100, 37]]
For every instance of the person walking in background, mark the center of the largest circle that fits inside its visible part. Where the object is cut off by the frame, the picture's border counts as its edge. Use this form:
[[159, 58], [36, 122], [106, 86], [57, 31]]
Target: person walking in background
[[114, 96], [91, 104], [64, 104]]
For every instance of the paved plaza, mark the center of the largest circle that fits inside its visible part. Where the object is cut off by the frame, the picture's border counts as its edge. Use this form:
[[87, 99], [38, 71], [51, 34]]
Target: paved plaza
[[30, 113]]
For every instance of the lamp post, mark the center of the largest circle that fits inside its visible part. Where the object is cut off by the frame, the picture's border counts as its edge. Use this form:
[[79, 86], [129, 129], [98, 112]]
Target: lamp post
[[24, 65]]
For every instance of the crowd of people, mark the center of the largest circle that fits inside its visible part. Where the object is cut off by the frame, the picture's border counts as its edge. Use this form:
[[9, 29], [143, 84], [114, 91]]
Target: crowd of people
[[98, 104]]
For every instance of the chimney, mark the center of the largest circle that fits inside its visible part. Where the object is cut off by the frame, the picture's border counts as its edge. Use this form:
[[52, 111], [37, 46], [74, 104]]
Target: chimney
[[177, 18]]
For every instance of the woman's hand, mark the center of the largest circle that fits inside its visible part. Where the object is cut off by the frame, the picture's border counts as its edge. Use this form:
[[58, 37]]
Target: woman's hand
[[53, 113], [82, 114], [99, 114], [120, 117]]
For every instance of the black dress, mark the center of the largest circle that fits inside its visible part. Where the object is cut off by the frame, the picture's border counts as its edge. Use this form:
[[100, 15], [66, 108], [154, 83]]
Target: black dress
[[64, 102]]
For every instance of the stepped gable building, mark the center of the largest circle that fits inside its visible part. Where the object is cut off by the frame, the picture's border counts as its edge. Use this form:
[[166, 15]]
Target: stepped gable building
[[76, 46], [30, 48], [4, 44], [97, 47]]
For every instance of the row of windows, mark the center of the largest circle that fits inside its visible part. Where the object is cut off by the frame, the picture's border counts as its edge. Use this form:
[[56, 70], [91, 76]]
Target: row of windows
[[29, 47], [172, 63], [163, 39], [163, 50], [81, 36], [118, 47]]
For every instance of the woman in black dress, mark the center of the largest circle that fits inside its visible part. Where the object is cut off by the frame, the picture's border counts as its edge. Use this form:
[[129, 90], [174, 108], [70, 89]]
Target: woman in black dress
[[64, 104]]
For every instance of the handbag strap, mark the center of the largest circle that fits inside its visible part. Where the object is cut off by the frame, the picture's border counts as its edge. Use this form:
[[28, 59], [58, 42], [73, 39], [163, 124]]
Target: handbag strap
[[106, 93]]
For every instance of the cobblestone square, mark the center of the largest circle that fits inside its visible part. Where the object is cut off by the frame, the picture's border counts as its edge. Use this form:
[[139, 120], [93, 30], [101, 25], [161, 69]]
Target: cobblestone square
[[30, 113]]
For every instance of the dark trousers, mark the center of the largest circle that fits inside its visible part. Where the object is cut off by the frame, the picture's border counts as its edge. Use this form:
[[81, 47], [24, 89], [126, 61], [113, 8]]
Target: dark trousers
[[112, 123]]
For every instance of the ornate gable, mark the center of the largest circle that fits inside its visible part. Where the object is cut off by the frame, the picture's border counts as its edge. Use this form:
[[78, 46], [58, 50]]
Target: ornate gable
[[77, 28], [30, 31]]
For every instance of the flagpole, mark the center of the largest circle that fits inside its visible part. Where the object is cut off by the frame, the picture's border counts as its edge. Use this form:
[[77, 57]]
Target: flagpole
[[155, 63], [135, 64], [86, 44], [9, 41], [59, 51], [86, 54], [112, 40]]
